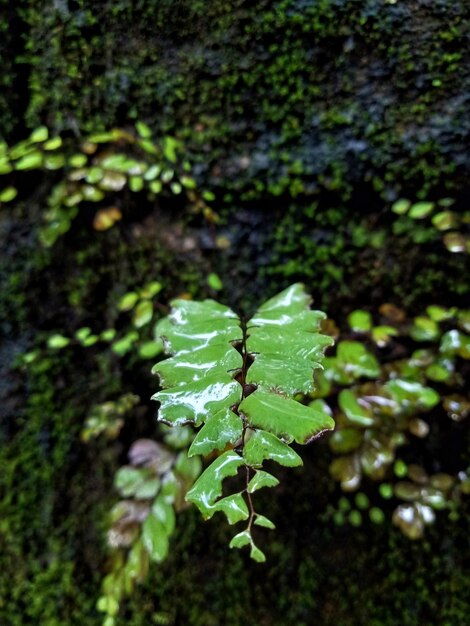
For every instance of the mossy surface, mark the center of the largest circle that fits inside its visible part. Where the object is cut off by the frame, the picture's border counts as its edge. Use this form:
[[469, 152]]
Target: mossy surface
[[290, 97]]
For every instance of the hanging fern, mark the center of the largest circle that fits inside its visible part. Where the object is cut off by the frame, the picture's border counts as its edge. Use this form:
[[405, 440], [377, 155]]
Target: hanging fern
[[237, 380]]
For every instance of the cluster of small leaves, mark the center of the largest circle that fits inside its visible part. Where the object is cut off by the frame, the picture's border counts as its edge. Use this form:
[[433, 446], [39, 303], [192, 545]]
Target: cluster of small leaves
[[141, 303], [104, 165], [153, 487], [236, 380], [453, 225], [354, 510], [378, 418], [107, 418]]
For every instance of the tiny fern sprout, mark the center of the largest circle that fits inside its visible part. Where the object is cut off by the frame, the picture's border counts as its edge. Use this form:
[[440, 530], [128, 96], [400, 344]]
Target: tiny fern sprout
[[236, 380]]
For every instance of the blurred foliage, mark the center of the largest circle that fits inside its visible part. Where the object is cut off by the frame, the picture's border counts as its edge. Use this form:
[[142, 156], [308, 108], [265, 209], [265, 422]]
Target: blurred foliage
[[454, 226], [49, 407], [351, 257], [153, 486], [108, 418], [40, 554], [125, 336], [384, 423], [105, 164]]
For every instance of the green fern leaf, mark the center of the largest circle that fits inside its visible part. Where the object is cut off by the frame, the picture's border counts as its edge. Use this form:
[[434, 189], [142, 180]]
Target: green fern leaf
[[237, 380]]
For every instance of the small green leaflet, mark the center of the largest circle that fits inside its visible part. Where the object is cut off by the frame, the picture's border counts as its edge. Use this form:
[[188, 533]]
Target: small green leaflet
[[256, 554], [236, 380], [264, 521], [265, 446], [261, 479], [234, 507], [187, 368], [277, 372], [290, 302], [155, 538], [189, 312], [220, 429], [284, 417], [277, 340], [355, 413], [186, 339], [208, 488], [195, 401], [165, 513], [240, 540]]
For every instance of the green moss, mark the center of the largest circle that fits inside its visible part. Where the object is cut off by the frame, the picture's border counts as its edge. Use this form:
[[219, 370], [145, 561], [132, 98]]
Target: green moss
[[40, 546], [352, 91]]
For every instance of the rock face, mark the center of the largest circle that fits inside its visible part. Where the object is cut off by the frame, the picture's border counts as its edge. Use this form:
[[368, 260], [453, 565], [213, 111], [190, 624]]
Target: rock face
[[290, 96]]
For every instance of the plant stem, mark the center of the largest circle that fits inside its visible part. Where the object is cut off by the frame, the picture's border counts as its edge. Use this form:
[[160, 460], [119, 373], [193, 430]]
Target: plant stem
[[245, 366]]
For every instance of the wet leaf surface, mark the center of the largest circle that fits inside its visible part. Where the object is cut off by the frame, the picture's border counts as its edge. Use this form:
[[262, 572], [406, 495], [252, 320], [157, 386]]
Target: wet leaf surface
[[264, 446], [220, 429], [195, 401], [284, 417], [208, 487]]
